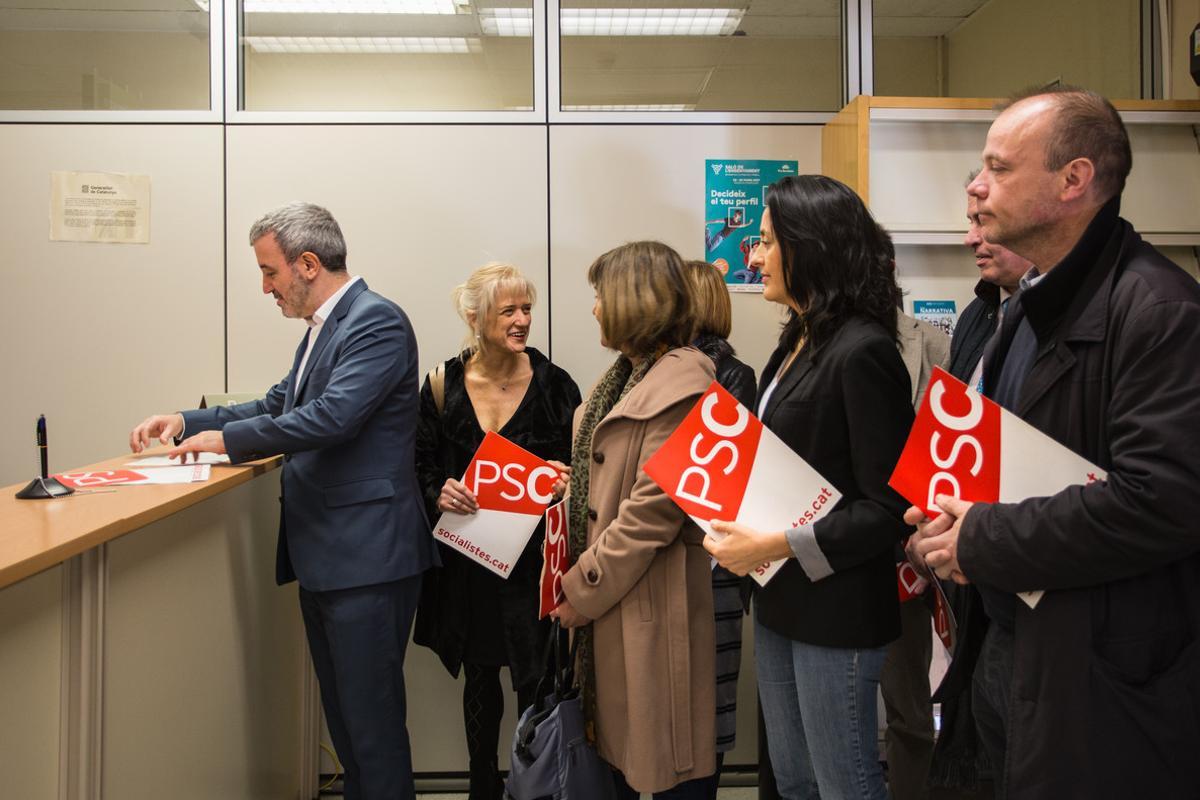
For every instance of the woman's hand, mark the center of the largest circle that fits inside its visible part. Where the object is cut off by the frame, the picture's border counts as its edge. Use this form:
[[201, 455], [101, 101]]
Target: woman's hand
[[564, 479], [456, 498], [744, 549], [568, 617]]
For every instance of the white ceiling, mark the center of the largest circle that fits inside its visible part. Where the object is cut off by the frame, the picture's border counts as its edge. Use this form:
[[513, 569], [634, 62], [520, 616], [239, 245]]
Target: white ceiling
[[795, 19]]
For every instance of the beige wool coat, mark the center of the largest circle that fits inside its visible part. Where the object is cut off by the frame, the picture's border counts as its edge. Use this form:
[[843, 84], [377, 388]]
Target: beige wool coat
[[645, 580]]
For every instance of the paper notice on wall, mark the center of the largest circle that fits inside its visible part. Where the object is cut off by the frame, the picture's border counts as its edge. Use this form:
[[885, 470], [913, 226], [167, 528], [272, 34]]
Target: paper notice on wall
[[99, 207]]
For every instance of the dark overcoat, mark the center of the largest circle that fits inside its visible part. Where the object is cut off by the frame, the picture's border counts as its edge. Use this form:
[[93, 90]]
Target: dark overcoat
[[1105, 698]]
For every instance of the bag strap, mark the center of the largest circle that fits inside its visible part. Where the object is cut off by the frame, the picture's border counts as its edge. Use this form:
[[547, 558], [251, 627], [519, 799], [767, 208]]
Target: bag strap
[[437, 385]]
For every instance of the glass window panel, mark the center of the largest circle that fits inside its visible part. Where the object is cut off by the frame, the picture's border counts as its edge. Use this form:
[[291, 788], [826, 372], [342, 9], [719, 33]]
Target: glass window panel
[[701, 55], [65, 55], [992, 48], [387, 55]]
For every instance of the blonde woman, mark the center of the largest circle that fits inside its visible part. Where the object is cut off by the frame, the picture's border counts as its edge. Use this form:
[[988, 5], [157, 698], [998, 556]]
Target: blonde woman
[[639, 594], [473, 619]]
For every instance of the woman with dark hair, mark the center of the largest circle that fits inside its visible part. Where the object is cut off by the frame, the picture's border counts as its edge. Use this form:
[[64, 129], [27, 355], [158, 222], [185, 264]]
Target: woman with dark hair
[[837, 392], [639, 595]]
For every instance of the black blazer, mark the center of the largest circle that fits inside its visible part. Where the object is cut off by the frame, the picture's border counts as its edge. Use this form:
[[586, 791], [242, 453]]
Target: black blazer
[[846, 411]]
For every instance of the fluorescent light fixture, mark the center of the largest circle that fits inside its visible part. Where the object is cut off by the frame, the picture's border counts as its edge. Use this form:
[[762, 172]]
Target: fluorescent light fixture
[[506, 21], [362, 44], [635, 107], [650, 21], [349, 7]]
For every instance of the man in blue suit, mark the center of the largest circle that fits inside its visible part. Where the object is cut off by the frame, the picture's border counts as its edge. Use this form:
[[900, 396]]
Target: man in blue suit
[[352, 528]]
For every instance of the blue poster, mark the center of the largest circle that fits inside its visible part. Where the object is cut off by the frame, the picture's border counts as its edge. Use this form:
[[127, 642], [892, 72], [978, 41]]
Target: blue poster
[[939, 313], [735, 195]]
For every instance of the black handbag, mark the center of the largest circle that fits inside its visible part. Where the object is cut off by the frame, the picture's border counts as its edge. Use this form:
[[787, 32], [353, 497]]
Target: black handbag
[[551, 757]]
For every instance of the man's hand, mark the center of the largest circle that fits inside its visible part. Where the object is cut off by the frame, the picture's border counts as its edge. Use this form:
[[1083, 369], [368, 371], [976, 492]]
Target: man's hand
[[745, 549], [206, 442], [457, 498], [936, 541], [567, 616], [163, 427]]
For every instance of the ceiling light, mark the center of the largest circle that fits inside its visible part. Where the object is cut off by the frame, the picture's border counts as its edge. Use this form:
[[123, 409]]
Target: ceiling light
[[635, 107], [349, 7], [362, 44], [506, 21], [650, 21]]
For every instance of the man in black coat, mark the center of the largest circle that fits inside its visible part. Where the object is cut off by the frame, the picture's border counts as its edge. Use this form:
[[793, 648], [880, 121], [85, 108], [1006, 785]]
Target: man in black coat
[[1094, 690]]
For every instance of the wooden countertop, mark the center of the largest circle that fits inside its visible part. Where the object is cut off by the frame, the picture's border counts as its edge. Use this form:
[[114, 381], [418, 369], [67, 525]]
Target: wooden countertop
[[37, 534]]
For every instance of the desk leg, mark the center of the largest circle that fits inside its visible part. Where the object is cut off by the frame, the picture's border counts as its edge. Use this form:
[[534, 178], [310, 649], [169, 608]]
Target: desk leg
[[85, 582]]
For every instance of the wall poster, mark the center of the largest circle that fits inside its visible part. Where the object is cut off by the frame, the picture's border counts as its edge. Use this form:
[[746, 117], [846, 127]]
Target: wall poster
[[734, 197]]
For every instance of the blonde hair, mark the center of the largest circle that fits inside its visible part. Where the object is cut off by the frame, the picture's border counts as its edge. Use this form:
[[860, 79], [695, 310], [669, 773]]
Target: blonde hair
[[645, 302], [714, 310], [477, 295]]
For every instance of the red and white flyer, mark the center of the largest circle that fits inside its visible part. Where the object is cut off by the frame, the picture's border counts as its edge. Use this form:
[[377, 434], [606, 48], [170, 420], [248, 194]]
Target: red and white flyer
[[159, 476], [965, 445], [721, 463], [556, 558], [513, 488]]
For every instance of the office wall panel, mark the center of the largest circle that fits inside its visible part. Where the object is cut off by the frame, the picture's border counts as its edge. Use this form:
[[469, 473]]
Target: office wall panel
[[611, 184], [97, 336], [420, 207], [30, 684], [204, 656]]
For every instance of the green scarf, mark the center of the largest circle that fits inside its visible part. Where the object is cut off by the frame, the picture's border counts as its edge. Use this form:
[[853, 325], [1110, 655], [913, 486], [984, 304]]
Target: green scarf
[[616, 383]]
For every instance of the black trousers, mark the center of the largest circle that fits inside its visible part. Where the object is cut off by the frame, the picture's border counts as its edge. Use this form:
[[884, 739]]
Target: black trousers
[[905, 686], [357, 638], [991, 687]]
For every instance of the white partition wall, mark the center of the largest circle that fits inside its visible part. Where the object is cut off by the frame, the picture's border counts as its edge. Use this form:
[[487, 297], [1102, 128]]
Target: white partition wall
[[611, 184], [97, 336], [421, 206]]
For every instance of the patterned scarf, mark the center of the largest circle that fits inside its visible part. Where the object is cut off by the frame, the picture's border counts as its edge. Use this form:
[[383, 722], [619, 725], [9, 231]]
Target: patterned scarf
[[616, 383]]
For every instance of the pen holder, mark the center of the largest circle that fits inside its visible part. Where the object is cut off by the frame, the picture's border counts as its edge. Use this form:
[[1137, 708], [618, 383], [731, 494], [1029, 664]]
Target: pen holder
[[44, 488]]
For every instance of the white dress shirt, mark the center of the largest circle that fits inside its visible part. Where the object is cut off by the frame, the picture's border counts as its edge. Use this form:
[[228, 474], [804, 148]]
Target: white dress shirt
[[317, 320]]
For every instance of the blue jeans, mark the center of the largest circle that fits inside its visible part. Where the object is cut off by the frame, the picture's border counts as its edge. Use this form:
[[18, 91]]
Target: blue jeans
[[819, 707]]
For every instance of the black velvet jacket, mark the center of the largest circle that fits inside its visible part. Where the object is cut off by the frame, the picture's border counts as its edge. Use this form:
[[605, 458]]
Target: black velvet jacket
[[462, 596]]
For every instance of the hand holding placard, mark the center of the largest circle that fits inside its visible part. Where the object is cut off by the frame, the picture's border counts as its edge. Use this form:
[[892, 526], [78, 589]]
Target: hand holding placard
[[965, 449], [512, 488], [722, 464]]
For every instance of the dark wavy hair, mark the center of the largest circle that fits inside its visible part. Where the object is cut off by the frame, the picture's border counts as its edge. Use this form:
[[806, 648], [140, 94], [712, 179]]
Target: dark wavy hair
[[837, 261]]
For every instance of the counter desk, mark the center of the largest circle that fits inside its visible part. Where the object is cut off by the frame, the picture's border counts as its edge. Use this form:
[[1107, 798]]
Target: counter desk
[[145, 651]]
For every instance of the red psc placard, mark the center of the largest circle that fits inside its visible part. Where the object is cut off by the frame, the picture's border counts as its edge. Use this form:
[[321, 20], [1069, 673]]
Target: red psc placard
[[953, 447], [556, 558], [505, 477], [705, 465]]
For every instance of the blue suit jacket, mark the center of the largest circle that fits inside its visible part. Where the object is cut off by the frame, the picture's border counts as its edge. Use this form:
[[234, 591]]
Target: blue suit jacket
[[352, 511]]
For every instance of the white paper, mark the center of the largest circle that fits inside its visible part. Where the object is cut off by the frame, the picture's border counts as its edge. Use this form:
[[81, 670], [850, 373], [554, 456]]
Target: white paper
[[99, 207], [164, 461]]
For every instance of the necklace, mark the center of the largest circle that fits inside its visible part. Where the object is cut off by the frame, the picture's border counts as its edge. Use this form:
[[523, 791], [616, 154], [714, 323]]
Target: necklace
[[502, 383]]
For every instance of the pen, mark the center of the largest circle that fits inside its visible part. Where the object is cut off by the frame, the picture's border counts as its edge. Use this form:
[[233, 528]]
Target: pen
[[41, 443]]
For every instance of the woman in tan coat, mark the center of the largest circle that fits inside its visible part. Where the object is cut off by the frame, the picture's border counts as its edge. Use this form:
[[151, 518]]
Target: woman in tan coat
[[640, 594]]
